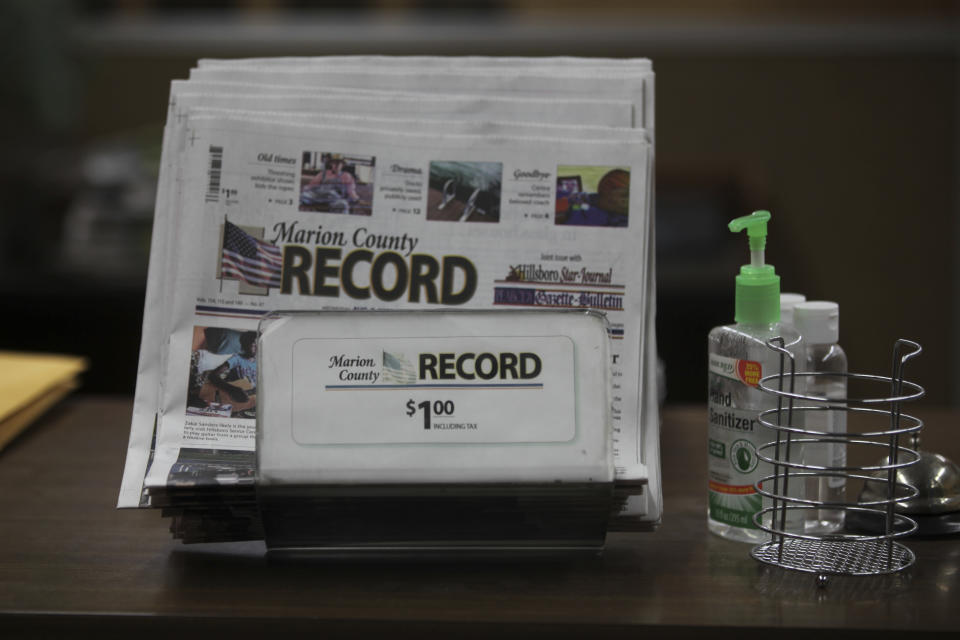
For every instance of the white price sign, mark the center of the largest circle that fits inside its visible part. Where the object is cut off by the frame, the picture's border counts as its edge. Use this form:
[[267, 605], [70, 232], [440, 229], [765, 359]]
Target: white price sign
[[453, 390]]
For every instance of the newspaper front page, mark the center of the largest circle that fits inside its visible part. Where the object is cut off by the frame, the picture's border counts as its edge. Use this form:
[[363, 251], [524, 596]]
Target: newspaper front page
[[347, 212]]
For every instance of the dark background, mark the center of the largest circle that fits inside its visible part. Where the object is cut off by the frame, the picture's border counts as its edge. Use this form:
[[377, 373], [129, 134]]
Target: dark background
[[839, 117]]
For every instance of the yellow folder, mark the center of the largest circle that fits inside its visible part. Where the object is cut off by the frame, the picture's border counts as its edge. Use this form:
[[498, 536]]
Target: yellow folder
[[31, 383]]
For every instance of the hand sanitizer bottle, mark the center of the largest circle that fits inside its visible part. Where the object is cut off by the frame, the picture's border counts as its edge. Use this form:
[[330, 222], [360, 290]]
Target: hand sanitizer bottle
[[819, 324], [787, 302], [738, 356]]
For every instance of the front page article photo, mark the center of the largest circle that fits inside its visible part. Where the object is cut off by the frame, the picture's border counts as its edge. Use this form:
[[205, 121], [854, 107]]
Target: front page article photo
[[593, 196], [337, 183], [223, 373]]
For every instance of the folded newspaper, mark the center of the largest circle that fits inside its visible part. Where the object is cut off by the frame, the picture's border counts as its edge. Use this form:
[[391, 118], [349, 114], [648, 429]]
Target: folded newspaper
[[377, 183]]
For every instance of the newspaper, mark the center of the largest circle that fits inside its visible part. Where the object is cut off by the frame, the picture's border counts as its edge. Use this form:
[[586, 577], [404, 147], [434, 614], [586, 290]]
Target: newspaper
[[320, 105], [356, 101], [610, 83], [325, 108], [421, 61], [241, 177], [557, 78]]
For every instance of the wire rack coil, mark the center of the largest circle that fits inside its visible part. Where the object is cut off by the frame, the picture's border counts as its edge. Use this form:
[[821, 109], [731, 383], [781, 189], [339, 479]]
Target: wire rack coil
[[843, 552]]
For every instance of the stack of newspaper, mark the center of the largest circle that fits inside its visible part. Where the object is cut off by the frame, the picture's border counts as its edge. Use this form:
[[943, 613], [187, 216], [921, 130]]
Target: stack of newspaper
[[372, 182]]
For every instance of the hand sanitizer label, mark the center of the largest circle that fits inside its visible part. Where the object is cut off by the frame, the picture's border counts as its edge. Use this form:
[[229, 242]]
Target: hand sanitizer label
[[746, 371], [734, 435]]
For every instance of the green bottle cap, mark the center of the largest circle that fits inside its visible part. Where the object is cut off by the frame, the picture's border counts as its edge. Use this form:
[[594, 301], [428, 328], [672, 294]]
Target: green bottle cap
[[758, 285]]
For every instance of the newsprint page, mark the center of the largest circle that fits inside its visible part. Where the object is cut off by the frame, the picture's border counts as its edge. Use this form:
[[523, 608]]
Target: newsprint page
[[268, 201]]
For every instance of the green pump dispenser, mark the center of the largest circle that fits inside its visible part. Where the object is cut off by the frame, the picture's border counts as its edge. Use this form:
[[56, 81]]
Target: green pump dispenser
[[758, 285]]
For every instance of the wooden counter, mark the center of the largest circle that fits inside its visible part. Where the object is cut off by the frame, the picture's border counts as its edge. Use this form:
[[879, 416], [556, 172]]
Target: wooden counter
[[71, 565]]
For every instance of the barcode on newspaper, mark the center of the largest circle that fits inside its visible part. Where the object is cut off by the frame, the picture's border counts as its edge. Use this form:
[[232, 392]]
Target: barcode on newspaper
[[213, 174]]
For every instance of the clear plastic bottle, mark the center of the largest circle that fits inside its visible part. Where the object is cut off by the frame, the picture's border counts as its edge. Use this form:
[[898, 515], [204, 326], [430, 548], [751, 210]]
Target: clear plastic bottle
[[819, 323], [738, 356], [735, 434], [787, 302]]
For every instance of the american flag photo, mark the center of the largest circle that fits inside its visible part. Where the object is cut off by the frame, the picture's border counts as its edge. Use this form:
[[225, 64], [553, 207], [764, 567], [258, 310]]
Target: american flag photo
[[245, 258]]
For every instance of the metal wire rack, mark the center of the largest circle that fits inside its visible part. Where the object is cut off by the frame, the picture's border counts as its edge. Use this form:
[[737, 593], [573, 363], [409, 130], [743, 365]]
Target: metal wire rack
[[844, 551]]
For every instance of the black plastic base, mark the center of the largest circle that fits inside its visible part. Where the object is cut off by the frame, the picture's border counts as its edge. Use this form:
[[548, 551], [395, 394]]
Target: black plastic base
[[437, 520]]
